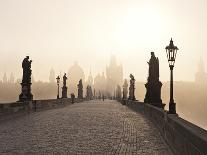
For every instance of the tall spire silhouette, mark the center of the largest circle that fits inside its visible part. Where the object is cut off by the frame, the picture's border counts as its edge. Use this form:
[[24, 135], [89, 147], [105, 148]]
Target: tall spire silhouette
[[201, 75]]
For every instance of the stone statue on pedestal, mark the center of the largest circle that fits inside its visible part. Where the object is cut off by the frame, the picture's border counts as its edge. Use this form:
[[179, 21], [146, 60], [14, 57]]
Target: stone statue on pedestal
[[89, 93], [153, 85], [125, 89], [72, 98], [132, 88], [118, 92], [26, 94], [80, 89], [64, 88]]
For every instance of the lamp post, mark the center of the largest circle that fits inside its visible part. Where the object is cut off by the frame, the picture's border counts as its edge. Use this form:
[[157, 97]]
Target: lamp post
[[171, 52], [58, 83]]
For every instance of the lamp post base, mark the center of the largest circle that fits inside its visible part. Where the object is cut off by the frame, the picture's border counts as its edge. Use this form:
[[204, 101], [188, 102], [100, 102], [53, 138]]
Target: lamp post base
[[172, 108]]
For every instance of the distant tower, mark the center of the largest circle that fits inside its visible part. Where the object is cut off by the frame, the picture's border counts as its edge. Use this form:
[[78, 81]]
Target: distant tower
[[90, 79], [52, 76], [5, 80], [125, 89], [114, 75], [201, 76], [11, 79], [76, 73]]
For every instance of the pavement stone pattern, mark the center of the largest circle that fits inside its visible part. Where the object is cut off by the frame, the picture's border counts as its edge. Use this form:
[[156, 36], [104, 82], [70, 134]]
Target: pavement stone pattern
[[90, 128]]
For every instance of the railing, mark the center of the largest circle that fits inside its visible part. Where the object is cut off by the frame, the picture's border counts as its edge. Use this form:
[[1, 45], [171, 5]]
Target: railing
[[19, 108], [183, 137]]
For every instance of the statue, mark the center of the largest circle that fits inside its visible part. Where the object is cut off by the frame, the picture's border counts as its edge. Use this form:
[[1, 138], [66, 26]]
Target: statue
[[132, 88], [72, 98], [89, 93], [80, 89], [64, 88], [118, 92], [26, 94], [99, 95], [153, 85], [125, 89]]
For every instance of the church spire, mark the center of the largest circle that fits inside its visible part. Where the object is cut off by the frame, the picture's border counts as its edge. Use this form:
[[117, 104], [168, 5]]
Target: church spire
[[201, 66]]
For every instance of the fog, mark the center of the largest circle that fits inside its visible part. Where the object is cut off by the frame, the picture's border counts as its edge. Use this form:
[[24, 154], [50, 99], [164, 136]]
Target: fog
[[57, 34], [190, 97]]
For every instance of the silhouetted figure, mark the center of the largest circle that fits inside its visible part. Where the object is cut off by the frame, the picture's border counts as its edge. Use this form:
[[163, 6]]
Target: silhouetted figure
[[73, 98], [26, 94], [5, 80], [89, 93], [64, 88], [80, 89], [132, 88], [125, 89], [11, 79], [153, 85], [103, 97]]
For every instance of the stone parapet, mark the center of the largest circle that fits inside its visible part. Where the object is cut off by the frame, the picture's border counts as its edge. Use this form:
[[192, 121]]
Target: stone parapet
[[183, 137], [8, 110]]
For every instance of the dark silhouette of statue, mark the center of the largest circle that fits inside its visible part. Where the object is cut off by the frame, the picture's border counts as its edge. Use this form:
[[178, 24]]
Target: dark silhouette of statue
[[118, 92], [125, 89], [80, 89], [89, 93], [103, 97], [132, 88], [153, 85], [99, 94], [64, 88], [26, 94], [72, 98]]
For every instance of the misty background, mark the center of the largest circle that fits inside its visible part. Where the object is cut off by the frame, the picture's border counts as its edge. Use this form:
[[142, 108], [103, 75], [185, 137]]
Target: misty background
[[57, 34]]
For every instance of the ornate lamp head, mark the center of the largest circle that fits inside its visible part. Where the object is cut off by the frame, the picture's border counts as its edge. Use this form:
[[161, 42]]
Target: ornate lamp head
[[171, 52]]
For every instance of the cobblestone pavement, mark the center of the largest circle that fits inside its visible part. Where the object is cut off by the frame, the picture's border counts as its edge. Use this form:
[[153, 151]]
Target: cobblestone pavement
[[92, 127]]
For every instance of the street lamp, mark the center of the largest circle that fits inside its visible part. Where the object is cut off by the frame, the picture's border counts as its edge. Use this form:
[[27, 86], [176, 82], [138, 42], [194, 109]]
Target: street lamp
[[58, 83], [171, 52]]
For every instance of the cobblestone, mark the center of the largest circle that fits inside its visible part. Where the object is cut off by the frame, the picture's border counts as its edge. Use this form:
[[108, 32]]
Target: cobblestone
[[92, 127]]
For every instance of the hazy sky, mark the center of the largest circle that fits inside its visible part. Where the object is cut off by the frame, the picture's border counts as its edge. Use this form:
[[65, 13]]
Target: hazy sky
[[55, 33]]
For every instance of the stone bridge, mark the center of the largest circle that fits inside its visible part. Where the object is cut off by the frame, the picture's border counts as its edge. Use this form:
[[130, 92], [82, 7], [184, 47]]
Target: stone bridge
[[98, 127]]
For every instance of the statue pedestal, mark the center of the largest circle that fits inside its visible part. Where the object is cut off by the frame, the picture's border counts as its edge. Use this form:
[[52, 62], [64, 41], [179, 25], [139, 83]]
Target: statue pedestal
[[26, 94], [64, 92], [153, 94], [80, 94], [131, 94]]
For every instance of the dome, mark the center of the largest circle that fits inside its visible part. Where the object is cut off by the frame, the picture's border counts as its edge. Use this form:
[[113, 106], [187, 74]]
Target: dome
[[75, 73]]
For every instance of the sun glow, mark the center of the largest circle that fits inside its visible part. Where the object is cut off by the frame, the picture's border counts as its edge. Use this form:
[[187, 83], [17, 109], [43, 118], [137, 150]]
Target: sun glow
[[141, 25]]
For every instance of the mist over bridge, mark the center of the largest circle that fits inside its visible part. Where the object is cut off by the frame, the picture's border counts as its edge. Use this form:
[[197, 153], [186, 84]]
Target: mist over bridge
[[99, 127]]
